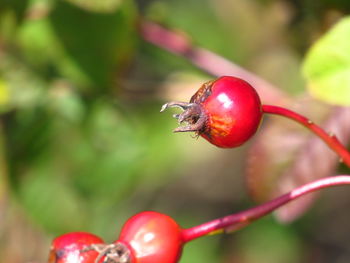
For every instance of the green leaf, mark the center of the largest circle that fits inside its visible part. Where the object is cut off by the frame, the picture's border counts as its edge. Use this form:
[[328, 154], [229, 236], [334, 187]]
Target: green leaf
[[106, 155], [88, 49], [95, 44], [50, 200], [327, 65], [101, 6]]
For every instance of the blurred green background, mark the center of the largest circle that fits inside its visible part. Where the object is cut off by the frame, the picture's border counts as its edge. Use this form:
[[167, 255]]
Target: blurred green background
[[82, 143]]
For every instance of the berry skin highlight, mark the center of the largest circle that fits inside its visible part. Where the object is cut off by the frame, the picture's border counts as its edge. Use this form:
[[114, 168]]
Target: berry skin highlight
[[226, 112]]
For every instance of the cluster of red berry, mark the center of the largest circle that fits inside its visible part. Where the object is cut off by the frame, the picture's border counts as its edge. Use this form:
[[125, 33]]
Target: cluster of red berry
[[148, 237], [227, 112]]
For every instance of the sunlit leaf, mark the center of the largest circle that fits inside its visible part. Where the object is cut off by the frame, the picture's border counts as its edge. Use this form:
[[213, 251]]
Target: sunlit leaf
[[327, 65]]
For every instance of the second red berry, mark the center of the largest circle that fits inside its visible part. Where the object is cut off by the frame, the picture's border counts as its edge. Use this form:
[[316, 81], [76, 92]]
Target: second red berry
[[74, 248], [152, 237]]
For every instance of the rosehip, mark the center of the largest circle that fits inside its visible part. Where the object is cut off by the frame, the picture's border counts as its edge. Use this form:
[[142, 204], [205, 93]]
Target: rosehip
[[226, 112], [71, 248], [151, 237]]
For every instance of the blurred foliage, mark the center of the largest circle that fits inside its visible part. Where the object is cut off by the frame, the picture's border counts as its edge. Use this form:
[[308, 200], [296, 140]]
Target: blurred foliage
[[280, 245], [82, 143], [71, 143], [327, 66]]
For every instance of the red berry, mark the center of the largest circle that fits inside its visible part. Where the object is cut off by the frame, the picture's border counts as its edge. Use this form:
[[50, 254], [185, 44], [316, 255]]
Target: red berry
[[226, 112], [69, 248], [152, 238]]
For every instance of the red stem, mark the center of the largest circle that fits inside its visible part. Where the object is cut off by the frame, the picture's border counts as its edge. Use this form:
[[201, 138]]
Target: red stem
[[330, 139], [238, 220], [214, 64]]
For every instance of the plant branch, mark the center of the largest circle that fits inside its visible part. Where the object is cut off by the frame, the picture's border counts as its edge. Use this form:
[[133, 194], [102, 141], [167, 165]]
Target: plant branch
[[181, 45], [330, 139], [239, 220]]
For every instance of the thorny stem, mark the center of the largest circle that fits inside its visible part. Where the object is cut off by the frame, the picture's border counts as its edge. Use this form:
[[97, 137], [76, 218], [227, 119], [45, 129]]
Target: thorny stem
[[330, 139], [241, 219]]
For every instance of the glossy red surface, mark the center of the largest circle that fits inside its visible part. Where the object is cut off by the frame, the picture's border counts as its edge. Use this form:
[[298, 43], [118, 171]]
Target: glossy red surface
[[153, 238], [67, 248], [233, 112]]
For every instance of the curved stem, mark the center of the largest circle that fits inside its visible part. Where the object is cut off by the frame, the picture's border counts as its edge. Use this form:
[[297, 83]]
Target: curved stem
[[238, 220], [330, 139]]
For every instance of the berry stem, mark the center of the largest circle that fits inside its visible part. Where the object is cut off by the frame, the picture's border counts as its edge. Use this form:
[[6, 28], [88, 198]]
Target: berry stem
[[236, 221], [330, 139]]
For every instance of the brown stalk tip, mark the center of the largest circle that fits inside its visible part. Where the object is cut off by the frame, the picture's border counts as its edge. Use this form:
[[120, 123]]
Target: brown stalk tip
[[111, 253], [193, 115]]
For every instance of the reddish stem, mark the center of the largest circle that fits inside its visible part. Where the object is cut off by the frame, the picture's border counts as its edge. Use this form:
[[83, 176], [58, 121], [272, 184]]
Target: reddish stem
[[238, 220], [330, 139], [180, 44]]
